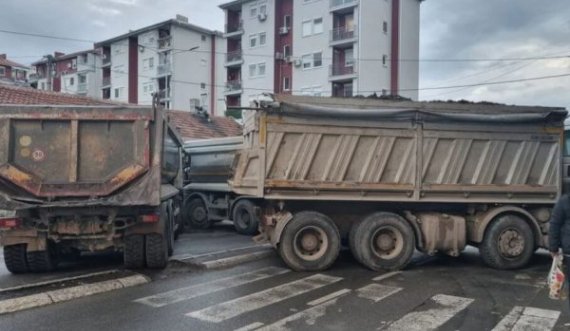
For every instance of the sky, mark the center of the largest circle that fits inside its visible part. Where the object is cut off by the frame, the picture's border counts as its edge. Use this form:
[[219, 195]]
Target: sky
[[463, 42]]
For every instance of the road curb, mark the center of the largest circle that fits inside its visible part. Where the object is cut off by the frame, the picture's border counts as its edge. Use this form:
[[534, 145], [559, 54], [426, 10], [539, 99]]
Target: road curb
[[70, 293], [235, 260]]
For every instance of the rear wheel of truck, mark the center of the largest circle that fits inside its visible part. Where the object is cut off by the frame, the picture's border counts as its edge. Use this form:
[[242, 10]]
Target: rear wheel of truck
[[310, 242], [133, 253], [382, 241], [197, 214], [15, 259], [508, 243], [245, 220], [42, 261]]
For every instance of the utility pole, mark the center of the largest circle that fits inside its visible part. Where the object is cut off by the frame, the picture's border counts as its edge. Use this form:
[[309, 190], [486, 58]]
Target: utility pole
[[49, 59]]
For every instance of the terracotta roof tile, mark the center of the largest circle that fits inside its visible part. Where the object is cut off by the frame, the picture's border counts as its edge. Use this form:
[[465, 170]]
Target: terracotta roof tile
[[192, 126], [13, 95], [8, 63]]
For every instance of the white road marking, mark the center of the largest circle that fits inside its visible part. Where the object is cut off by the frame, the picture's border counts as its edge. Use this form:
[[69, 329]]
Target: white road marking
[[58, 280], [250, 327], [376, 292], [187, 293], [535, 319], [235, 260], [229, 309], [328, 297], [386, 276], [431, 319], [309, 315]]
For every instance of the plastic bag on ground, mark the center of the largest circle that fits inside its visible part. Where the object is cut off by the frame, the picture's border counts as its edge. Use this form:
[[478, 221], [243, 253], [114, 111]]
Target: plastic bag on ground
[[556, 280]]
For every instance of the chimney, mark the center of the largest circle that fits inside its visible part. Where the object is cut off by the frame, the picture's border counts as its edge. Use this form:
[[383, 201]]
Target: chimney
[[3, 56], [182, 18], [58, 54]]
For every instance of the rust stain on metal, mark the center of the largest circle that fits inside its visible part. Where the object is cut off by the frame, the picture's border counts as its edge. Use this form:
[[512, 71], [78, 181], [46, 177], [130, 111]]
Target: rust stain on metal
[[127, 174], [13, 174]]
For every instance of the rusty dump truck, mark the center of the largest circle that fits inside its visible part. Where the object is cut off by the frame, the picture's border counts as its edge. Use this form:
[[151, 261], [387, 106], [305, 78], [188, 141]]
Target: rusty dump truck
[[392, 177], [78, 179]]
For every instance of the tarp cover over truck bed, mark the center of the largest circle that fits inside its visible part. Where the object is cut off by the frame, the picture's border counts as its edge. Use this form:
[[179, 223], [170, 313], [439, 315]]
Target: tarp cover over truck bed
[[308, 148]]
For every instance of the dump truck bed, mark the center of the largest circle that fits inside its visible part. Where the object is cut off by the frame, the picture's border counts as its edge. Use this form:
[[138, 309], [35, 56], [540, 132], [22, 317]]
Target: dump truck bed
[[64, 156], [302, 148]]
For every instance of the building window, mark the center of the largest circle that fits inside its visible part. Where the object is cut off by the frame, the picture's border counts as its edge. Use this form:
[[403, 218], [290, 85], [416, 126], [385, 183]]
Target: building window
[[71, 81], [318, 26], [203, 86], [43, 86], [253, 11], [263, 9], [287, 50], [117, 93], [286, 83], [317, 59], [313, 60], [307, 28], [252, 40], [307, 61], [385, 60], [287, 21], [2, 71], [203, 37], [252, 69], [262, 38], [385, 27], [151, 63], [261, 69], [82, 79], [349, 57]]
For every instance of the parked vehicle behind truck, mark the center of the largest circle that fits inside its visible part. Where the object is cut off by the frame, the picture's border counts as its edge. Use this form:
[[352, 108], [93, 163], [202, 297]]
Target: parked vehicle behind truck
[[78, 179], [392, 177], [208, 197]]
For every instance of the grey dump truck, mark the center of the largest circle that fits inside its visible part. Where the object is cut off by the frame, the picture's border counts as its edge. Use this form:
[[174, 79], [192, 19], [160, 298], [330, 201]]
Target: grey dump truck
[[208, 196], [388, 178], [76, 179]]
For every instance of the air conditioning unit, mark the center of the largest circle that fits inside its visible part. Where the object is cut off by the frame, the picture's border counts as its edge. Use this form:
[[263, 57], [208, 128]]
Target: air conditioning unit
[[289, 59], [279, 56], [262, 17], [284, 30], [298, 62]]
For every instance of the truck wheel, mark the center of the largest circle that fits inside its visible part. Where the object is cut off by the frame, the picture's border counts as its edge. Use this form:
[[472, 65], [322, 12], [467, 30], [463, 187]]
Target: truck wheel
[[197, 214], [133, 253], [310, 242], [15, 259], [178, 222], [156, 251], [245, 220], [383, 241], [42, 261], [169, 222], [508, 243]]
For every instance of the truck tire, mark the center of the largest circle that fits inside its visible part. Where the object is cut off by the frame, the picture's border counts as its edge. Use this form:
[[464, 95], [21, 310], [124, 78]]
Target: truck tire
[[42, 261], [197, 214], [133, 253], [245, 220], [178, 221], [169, 222], [156, 251], [508, 243], [15, 259], [310, 242], [383, 241]]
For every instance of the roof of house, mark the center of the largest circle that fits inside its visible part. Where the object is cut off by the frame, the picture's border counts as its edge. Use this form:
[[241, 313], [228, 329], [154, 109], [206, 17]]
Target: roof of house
[[13, 95], [153, 27], [192, 126], [65, 56], [235, 3], [8, 63]]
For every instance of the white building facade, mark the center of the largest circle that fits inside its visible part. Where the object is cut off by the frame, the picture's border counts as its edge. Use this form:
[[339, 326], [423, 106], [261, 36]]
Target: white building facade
[[321, 47], [175, 59]]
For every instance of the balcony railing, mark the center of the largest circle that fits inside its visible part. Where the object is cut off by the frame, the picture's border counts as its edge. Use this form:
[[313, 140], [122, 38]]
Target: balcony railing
[[341, 70], [164, 69], [164, 94], [106, 59], [343, 33], [233, 85], [338, 3], [82, 87], [106, 81], [234, 56], [165, 42], [234, 27]]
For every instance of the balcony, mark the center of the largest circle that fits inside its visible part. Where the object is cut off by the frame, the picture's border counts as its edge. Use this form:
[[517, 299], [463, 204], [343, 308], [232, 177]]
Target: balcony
[[342, 5], [234, 58], [164, 94], [106, 82], [165, 42], [106, 61], [343, 36], [164, 69], [341, 72], [233, 87], [82, 88], [234, 30]]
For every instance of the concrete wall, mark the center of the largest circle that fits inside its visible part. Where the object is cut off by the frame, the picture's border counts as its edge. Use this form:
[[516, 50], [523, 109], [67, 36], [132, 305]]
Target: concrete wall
[[409, 47], [147, 75], [120, 70], [220, 75]]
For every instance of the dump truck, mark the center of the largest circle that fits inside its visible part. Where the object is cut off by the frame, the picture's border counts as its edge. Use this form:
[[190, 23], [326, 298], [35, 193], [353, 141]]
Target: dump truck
[[389, 178], [208, 196], [88, 178]]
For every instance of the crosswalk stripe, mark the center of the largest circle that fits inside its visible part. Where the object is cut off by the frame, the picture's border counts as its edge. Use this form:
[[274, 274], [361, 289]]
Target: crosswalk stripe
[[226, 310], [309, 315], [431, 319], [376, 292], [250, 327], [328, 297], [187, 293], [386, 276], [529, 318]]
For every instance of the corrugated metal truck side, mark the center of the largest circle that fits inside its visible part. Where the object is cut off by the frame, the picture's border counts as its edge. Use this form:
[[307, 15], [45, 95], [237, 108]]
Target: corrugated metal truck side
[[392, 177]]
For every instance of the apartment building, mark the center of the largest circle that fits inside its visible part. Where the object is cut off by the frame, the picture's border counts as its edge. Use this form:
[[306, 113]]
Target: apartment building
[[74, 73], [173, 58], [12, 73], [321, 47]]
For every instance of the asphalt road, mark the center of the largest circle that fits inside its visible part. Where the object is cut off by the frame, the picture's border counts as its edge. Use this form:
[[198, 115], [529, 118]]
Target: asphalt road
[[434, 293]]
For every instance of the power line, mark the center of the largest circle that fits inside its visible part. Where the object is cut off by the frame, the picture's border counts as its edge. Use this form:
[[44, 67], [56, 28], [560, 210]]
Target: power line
[[45, 36]]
